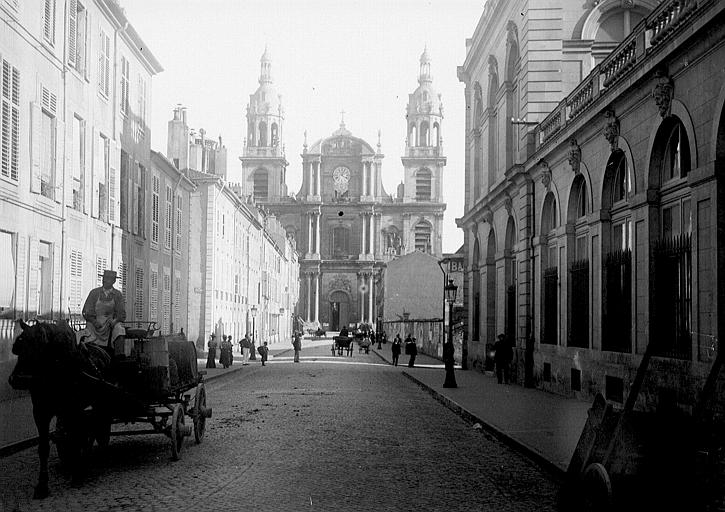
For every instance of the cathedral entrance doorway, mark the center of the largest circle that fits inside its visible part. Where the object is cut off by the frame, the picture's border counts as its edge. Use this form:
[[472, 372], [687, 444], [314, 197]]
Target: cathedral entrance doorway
[[339, 310]]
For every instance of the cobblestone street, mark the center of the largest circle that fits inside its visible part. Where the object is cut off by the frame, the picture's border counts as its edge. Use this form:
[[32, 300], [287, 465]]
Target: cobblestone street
[[326, 434]]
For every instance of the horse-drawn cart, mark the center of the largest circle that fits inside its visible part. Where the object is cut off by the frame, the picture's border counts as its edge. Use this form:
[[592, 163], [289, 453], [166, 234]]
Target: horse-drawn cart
[[341, 343]]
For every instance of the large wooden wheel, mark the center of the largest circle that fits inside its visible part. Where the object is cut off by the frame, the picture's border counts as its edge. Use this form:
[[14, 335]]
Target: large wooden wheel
[[200, 413], [178, 431]]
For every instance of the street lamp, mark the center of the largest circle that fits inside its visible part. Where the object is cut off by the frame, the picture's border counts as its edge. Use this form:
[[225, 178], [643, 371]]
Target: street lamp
[[254, 314], [448, 350]]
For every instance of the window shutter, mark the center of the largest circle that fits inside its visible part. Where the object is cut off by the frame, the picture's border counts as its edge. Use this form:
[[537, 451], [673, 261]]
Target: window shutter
[[71, 163], [56, 307], [59, 167], [33, 278], [72, 32], [21, 279], [35, 149], [138, 306], [113, 182], [76, 282], [95, 181], [134, 209]]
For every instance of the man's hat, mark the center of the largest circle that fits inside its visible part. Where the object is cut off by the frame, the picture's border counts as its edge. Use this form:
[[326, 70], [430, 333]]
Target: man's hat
[[110, 273]]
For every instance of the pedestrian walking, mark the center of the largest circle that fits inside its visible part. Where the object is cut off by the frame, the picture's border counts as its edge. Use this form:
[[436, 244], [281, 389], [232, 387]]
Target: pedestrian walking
[[210, 360], [503, 358], [395, 348], [297, 345], [263, 352], [225, 356], [246, 349], [449, 361], [411, 349]]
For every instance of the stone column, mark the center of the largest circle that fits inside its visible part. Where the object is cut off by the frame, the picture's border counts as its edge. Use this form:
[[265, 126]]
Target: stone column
[[370, 299], [364, 179], [363, 248], [317, 297], [309, 232], [372, 235], [361, 278], [318, 216], [317, 179], [309, 296], [308, 165]]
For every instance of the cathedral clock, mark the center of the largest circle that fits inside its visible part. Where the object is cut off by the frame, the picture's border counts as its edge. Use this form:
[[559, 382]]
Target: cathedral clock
[[341, 177]]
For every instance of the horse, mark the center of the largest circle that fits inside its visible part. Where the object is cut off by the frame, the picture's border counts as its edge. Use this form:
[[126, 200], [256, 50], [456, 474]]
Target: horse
[[61, 376]]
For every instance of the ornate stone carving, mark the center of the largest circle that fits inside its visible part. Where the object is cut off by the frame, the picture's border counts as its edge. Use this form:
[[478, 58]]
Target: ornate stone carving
[[487, 216], [545, 173], [663, 92], [611, 130], [512, 33], [492, 66], [575, 155], [508, 203], [339, 282]]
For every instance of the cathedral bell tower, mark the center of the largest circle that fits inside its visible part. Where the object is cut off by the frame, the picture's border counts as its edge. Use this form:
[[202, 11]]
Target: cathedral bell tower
[[423, 162], [263, 160]]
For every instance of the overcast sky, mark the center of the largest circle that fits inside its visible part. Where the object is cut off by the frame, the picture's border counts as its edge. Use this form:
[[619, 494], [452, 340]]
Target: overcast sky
[[327, 56]]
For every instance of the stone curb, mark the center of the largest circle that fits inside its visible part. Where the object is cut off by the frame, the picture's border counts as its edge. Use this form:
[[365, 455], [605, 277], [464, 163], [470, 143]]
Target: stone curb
[[528, 451]]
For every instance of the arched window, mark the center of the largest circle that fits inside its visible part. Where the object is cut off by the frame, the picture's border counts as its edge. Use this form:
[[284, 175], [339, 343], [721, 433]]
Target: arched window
[[478, 149], [578, 288], [437, 134], [550, 272], [423, 233], [491, 291], [617, 258], [412, 135], [476, 320], [425, 96], [579, 197], [512, 97], [275, 134], [672, 253], [393, 241], [250, 133], [262, 134], [261, 185], [423, 180], [676, 162], [622, 184], [424, 134], [492, 121], [510, 277]]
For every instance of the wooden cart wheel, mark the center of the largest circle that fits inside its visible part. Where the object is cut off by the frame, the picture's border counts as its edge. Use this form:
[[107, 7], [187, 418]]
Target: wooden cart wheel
[[177, 431], [200, 413], [598, 487]]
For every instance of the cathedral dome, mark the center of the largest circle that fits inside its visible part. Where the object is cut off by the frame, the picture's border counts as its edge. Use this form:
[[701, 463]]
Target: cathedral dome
[[425, 99]]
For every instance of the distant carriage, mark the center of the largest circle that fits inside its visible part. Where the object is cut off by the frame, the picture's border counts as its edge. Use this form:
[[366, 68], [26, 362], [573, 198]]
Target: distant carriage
[[341, 343]]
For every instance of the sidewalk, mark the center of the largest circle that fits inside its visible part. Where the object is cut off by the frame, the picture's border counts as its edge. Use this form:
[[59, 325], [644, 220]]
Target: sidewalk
[[543, 425]]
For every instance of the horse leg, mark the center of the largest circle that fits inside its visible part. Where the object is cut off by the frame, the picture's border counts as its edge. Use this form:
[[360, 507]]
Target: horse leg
[[42, 423]]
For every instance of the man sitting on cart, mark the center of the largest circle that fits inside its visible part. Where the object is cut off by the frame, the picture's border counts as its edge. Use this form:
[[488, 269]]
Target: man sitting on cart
[[105, 313]]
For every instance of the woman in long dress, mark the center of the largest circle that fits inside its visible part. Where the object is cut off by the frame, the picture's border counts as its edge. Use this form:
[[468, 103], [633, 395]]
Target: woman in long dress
[[210, 360]]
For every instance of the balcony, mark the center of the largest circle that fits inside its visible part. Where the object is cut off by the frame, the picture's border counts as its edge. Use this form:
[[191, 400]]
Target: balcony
[[653, 31], [263, 151], [422, 152]]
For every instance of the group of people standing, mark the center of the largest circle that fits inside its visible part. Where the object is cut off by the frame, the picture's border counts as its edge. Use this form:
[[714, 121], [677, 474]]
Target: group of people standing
[[226, 356], [411, 349]]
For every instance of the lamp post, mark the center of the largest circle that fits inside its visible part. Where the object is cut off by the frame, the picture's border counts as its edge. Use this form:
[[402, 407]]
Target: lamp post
[[448, 349], [254, 314], [280, 323]]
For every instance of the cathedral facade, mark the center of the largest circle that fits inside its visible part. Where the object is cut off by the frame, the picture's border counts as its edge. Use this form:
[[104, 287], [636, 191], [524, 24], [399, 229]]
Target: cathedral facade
[[347, 227]]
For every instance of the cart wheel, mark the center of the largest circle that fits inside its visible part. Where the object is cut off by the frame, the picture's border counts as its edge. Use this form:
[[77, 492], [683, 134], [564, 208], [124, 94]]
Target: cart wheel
[[201, 413], [178, 429], [598, 487]]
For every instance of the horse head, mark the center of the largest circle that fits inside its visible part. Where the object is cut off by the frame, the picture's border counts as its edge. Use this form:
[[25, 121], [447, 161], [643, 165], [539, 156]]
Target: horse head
[[39, 347]]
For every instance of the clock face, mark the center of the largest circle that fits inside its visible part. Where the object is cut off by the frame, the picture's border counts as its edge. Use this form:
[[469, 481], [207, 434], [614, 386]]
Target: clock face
[[341, 176]]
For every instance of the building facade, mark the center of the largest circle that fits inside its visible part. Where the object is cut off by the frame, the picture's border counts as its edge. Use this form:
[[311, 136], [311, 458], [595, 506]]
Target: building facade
[[242, 268], [76, 85], [593, 220], [347, 227]]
